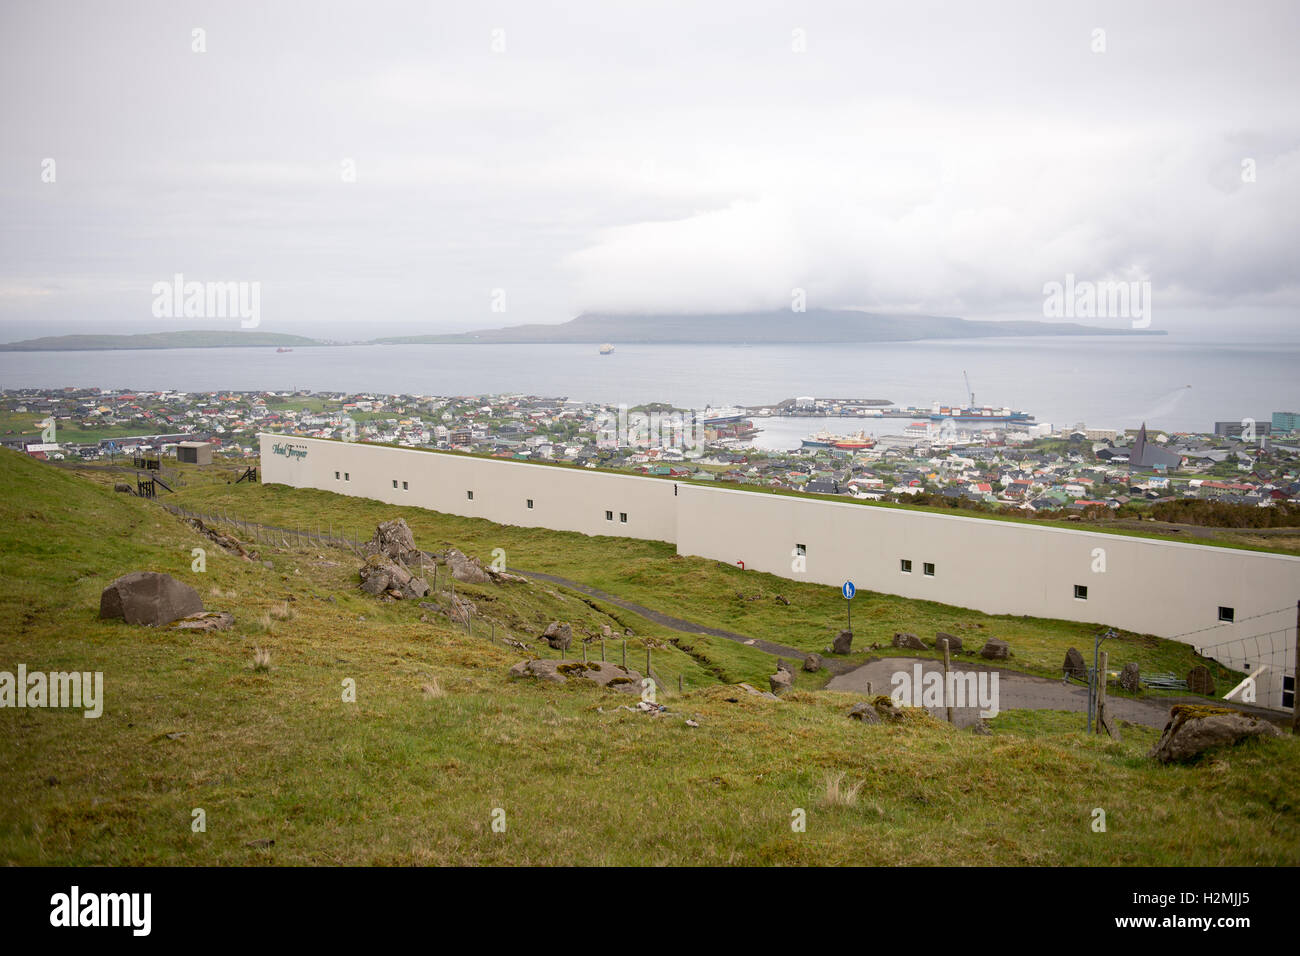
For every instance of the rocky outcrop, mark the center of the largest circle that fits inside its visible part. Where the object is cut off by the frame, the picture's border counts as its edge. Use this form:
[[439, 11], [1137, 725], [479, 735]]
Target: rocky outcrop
[[384, 575], [904, 639], [601, 673], [558, 634], [149, 598], [843, 643], [812, 663], [465, 569], [1194, 728], [995, 649]]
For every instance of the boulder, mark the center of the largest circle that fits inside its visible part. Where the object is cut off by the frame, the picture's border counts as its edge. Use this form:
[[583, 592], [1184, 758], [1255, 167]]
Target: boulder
[[559, 635], [466, 569], [843, 643], [755, 692], [149, 598], [904, 639], [812, 663], [784, 665], [393, 539], [1130, 678], [995, 649], [954, 642], [1074, 665], [601, 673], [1200, 680], [864, 712], [1194, 728], [781, 681]]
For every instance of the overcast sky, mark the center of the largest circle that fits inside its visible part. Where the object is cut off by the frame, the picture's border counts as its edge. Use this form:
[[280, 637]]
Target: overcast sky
[[644, 157]]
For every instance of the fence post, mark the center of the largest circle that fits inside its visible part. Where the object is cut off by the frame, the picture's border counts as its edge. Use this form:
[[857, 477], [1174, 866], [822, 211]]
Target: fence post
[[946, 664], [625, 653]]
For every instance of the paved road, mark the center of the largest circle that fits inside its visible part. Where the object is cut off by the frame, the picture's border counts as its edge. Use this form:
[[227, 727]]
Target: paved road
[[1018, 691], [675, 623]]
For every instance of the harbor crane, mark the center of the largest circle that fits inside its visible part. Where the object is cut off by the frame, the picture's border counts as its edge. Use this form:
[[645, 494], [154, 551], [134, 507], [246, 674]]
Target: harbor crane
[[969, 394]]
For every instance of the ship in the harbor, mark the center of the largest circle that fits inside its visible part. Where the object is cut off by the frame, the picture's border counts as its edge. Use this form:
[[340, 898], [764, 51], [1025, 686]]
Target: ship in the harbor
[[824, 439], [978, 414], [607, 349]]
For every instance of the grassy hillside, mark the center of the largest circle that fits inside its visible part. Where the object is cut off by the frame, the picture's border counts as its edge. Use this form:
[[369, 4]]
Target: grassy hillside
[[439, 738]]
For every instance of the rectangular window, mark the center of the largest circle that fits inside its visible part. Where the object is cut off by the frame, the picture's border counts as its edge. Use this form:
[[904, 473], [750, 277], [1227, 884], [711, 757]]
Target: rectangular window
[[609, 516], [394, 482], [928, 569], [1288, 692], [530, 503], [622, 516], [469, 495], [347, 476], [336, 476], [405, 486], [1227, 614], [801, 549], [1081, 592], [905, 566]]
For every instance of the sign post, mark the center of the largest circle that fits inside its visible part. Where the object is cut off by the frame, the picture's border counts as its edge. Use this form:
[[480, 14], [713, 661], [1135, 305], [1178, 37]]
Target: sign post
[[848, 590]]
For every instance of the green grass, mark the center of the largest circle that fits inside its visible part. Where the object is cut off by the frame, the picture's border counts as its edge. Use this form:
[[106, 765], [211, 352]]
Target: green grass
[[406, 777]]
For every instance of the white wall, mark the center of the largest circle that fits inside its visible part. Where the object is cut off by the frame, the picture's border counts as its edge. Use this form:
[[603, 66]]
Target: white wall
[[564, 499], [1166, 588]]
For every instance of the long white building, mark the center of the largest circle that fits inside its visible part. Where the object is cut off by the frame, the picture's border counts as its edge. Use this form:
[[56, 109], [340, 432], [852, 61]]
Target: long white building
[[1236, 606]]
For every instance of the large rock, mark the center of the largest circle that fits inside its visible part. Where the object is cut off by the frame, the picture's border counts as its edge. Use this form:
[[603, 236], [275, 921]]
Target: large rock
[[1074, 665], [149, 598], [781, 681], [394, 540], [382, 574], [812, 663], [1200, 680], [601, 673], [843, 643], [1194, 728], [466, 569], [559, 635], [1130, 678], [904, 639], [865, 712], [995, 649], [954, 642]]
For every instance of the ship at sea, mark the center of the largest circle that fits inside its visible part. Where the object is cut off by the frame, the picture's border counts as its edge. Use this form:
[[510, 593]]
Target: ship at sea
[[607, 349], [283, 349]]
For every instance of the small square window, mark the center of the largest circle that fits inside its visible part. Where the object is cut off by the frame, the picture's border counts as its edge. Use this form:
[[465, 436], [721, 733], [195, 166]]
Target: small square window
[[1081, 592], [394, 482], [801, 549], [905, 565], [609, 516], [622, 516], [928, 569], [405, 486], [336, 476], [347, 476], [530, 502], [469, 495], [1227, 614]]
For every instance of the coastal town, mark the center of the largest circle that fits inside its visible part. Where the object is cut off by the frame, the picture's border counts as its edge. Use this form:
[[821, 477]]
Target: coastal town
[[1004, 462]]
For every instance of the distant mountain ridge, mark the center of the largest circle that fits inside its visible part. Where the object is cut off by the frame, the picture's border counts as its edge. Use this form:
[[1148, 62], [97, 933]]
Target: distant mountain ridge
[[188, 339], [757, 328]]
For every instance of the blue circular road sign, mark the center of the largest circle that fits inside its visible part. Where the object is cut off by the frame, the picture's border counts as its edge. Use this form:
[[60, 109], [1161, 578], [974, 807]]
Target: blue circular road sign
[[848, 590]]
